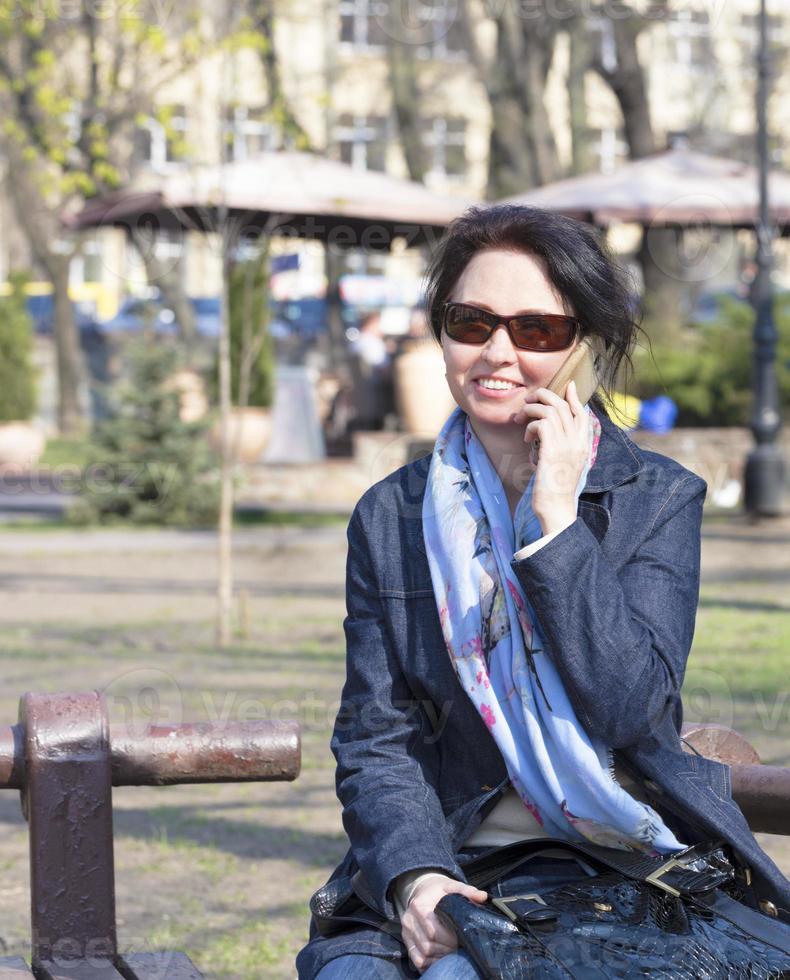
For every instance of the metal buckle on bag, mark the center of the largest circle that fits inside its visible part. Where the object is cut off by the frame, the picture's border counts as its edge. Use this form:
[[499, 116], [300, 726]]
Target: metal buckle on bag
[[655, 876], [503, 904]]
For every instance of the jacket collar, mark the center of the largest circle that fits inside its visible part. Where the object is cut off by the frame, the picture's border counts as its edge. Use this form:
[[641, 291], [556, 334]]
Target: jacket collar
[[618, 459]]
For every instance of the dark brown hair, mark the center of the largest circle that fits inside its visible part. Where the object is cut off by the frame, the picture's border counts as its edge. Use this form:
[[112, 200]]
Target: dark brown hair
[[577, 261]]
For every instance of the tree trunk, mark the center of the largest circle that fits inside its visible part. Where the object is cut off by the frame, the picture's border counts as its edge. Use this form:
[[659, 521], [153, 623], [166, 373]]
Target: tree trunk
[[659, 256], [225, 524], [42, 232], [580, 56], [522, 152], [659, 253], [67, 347], [539, 51], [168, 279], [628, 84], [405, 88], [510, 169], [336, 336], [294, 134]]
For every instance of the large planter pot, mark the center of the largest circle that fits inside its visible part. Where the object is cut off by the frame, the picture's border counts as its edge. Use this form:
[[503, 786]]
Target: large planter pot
[[423, 398], [250, 429], [21, 445], [193, 403]]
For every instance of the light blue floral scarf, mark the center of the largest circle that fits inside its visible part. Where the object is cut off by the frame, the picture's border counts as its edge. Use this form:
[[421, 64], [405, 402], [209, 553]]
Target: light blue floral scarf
[[564, 777]]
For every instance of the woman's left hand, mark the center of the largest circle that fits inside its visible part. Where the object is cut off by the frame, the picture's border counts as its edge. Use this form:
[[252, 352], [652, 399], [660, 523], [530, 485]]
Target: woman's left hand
[[426, 937], [563, 427]]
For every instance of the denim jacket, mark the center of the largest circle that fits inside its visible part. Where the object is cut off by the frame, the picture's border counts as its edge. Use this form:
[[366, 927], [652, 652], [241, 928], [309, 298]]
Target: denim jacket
[[615, 594]]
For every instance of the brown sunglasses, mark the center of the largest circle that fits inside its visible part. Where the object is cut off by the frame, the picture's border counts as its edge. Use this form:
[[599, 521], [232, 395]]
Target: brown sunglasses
[[528, 331]]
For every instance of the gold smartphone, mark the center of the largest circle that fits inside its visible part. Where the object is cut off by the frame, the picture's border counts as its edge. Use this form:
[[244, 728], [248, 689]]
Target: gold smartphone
[[581, 366]]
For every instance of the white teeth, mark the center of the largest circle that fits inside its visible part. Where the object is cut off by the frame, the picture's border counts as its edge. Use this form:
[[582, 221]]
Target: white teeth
[[491, 383]]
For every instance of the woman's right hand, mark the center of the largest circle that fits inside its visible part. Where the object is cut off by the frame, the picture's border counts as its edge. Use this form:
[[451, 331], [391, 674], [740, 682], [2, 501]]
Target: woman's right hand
[[426, 937]]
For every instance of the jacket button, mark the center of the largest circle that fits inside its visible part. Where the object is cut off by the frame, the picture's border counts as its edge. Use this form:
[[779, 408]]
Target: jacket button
[[768, 907]]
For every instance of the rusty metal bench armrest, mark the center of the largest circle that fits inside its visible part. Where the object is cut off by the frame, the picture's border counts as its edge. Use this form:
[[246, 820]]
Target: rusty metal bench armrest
[[64, 758], [762, 792]]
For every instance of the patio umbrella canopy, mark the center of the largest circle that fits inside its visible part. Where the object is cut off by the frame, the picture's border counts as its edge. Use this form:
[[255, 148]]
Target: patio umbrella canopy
[[675, 188], [301, 194]]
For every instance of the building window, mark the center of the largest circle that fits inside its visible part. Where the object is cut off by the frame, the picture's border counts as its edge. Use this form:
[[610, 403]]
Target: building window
[[444, 139], [446, 31], [162, 140], [608, 147], [248, 132], [434, 25], [87, 266], [362, 141], [362, 23], [690, 39]]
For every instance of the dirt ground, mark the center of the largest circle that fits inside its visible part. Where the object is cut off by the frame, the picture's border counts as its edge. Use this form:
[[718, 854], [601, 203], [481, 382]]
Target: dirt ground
[[224, 872]]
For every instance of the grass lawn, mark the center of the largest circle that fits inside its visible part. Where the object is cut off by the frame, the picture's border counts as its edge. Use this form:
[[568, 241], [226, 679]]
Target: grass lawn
[[62, 451], [739, 667]]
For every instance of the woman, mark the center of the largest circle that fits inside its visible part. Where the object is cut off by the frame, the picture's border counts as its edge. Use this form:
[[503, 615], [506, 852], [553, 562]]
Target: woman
[[518, 621]]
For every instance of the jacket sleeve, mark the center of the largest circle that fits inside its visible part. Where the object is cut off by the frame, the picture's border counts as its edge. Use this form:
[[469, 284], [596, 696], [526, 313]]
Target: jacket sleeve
[[620, 639], [391, 813]]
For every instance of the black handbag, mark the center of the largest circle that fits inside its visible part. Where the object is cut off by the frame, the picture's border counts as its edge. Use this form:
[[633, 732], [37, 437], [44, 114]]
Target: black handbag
[[677, 916]]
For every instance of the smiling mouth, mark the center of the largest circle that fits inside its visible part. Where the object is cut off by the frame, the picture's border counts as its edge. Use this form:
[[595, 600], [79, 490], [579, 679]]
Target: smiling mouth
[[496, 384]]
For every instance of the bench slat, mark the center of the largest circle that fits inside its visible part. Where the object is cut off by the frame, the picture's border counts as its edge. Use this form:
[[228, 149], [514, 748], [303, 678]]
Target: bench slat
[[14, 968], [158, 966], [78, 970]]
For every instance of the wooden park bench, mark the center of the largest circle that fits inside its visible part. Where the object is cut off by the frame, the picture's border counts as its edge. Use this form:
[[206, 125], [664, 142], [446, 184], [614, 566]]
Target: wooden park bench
[[65, 758]]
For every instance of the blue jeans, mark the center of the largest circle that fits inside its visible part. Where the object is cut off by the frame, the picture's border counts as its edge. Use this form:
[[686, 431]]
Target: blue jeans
[[454, 966], [537, 874]]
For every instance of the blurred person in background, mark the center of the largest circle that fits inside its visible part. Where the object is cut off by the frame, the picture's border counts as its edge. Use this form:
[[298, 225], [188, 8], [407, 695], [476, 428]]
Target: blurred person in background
[[371, 374]]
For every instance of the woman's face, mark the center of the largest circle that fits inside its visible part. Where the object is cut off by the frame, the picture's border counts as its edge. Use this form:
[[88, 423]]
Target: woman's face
[[504, 282]]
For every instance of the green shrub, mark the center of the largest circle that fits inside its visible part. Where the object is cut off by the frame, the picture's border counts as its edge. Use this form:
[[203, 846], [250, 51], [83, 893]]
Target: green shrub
[[147, 465], [249, 305], [709, 373], [17, 377]]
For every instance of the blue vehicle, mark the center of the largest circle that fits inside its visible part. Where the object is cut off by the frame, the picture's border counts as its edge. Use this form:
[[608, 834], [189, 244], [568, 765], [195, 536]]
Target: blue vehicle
[[137, 313], [302, 319], [298, 319], [41, 309]]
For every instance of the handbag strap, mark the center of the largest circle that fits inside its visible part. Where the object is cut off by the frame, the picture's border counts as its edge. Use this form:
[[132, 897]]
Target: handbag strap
[[755, 924], [665, 871]]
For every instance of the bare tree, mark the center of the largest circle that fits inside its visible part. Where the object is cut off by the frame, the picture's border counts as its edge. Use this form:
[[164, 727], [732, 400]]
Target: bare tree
[[659, 253], [262, 15], [522, 149], [579, 58], [42, 232], [74, 81], [406, 93]]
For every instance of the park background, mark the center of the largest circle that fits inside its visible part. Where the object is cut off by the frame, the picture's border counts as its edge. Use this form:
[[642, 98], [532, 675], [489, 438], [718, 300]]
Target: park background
[[110, 377]]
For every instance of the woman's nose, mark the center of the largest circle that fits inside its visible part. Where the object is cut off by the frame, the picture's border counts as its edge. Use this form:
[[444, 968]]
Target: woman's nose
[[499, 347]]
